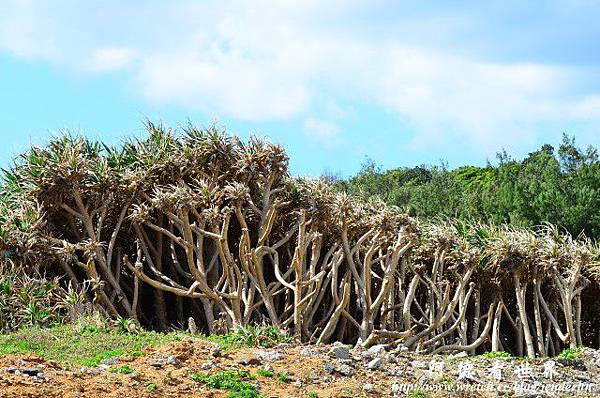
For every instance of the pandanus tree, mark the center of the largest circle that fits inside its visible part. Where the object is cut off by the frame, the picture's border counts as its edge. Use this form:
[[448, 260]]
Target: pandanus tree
[[204, 225]]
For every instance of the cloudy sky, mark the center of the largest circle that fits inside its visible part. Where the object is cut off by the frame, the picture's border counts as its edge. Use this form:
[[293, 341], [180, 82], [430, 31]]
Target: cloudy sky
[[401, 82]]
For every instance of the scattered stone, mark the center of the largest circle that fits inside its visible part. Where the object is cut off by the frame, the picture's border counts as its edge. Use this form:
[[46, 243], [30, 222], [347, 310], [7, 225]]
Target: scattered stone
[[419, 364], [158, 363], [269, 356], [328, 379], [30, 371], [329, 367], [102, 368], [462, 354], [576, 363], [298, 383], [252, 361], [11, 369], [207, 365], [391, 358], [368, 387], [173, 360], [377, 349], [308, 352], [94, 371], [269, 368], [344, 370], [110, 361], [217, 351], [395, 372], [339, 351], [376, 363]]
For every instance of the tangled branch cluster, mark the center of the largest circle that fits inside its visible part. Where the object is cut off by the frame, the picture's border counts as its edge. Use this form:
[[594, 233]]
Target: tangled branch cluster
[[204, 225]]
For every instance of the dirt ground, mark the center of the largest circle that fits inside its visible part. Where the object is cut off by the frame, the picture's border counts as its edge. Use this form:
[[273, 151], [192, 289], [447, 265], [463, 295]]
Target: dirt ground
[[166, 371]]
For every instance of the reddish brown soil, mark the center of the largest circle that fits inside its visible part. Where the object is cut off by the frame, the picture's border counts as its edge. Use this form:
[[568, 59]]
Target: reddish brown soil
[[177, 382]]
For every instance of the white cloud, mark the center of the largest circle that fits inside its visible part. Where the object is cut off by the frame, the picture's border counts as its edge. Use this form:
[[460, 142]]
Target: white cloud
[[322, 132], [110, 59], [269, 60]]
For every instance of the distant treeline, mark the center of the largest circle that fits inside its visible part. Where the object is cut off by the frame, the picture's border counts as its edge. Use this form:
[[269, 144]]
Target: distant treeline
[[557, 186]]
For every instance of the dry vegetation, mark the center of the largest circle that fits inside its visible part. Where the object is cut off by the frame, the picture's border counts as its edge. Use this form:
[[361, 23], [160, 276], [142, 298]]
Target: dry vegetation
[[202, 225]]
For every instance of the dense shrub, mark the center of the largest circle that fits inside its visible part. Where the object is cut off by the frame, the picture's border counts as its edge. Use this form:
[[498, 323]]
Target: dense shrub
[[201, 225]]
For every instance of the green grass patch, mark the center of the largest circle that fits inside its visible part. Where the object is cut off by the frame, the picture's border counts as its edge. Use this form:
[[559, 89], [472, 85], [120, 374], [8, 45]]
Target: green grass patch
[[570, 353], [496, 354], [265, 373], [86, 342], [236, 382], [124, 370], [251, 336], [283, 378], [313, 394]]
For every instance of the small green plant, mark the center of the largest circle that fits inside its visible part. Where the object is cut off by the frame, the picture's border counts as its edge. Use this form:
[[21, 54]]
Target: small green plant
[[265, 373], [313, 394], [233, 381], [282, 377], [151, 387], [446, 380], [496, 354], [124, 370], [126, 325], [251, 336], [418, 394], [570, 353]]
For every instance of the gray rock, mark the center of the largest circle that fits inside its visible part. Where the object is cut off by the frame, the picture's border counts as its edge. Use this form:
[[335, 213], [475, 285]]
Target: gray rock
[[374, 364], [419, 364], [391, 358], [377, 349], [94, 371], [30, 371], [329, 367], [462, 354], [217, 351], [368, 387], [339, 352], [269, 356], [328, 379], [173, 360], [298, 383], [269, 368], [207, 365], [158, 363], [308, 352], [11, 369], [253, 361], [110, 361], [345, 370], [395, 372]]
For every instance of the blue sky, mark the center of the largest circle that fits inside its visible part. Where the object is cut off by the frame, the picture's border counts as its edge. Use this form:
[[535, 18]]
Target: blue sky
[[404, 83]]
